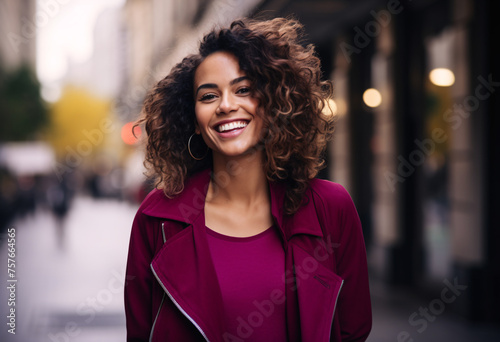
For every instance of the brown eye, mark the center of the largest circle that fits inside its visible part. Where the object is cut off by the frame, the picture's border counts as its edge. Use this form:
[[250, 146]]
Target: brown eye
[[207, 97], [244, 90]]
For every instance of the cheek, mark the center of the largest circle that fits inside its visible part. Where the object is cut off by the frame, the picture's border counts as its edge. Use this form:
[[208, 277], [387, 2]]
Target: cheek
[[262, 124], [255, 103], [259, 115], [200, 116]]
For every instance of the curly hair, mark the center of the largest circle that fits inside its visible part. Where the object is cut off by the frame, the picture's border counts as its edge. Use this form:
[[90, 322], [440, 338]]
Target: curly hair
[[286, 79]]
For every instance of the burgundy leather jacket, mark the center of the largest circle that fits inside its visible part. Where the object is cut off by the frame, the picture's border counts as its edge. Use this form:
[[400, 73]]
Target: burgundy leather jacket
[[172, 292]]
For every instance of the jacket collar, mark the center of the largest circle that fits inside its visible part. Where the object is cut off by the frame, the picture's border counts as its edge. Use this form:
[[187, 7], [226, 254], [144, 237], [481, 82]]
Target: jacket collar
[[189, 204]]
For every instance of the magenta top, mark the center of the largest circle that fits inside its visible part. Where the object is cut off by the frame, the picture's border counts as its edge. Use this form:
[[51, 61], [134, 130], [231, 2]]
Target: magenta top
[[250, 271]]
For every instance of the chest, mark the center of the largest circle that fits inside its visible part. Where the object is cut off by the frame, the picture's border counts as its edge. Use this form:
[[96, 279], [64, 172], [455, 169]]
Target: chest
[[237, 221]]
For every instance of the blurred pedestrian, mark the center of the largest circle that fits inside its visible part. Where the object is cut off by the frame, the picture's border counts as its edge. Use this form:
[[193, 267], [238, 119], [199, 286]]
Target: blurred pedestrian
[[59, 196], [8, 198], [239, 241]]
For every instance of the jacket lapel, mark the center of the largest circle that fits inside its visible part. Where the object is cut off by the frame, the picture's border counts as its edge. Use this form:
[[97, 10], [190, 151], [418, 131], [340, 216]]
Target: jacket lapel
[[317, 289], [186, 272], [312, 288], [184, 266], [304, 221]]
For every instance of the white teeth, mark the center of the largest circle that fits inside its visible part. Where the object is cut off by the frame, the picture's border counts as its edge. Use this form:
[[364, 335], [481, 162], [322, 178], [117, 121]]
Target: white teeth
[[232, 125]]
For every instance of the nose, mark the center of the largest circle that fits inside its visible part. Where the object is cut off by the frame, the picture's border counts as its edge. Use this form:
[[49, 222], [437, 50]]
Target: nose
[[228, 103]]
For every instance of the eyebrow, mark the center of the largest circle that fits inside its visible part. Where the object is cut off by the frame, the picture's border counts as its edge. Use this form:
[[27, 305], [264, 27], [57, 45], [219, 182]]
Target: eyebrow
[[213, 85]]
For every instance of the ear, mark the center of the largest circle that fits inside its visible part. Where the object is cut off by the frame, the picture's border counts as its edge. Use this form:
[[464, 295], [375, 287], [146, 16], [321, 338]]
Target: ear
[[197, 127]]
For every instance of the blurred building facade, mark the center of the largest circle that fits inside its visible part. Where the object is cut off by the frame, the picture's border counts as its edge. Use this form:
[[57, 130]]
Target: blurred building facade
[[421, 165], [18, 33], [20, 162], [102, 73]]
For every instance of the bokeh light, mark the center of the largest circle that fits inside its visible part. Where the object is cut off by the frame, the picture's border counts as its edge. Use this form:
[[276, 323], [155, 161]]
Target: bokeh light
[[442, 77], [372, 97], [128, 133], [330, 108]]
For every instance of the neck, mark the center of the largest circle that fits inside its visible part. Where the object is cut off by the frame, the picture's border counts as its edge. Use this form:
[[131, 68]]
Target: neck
[[238, 180]]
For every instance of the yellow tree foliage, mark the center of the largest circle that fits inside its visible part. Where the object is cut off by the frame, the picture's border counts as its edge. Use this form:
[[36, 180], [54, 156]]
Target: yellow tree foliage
[[79, 123]]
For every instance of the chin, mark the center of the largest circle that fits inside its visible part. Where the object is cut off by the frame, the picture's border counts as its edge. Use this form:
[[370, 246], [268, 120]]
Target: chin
[[238, 152]]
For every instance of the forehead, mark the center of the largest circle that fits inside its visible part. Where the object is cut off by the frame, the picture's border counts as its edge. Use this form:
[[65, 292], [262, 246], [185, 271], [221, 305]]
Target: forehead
[[218, 67]]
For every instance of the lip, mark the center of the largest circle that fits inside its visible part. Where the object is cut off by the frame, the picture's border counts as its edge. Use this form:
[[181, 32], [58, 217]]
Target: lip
[[233, 133]]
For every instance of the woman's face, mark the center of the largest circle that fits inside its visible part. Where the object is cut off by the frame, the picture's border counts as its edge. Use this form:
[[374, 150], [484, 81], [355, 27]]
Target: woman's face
[[227, 114]]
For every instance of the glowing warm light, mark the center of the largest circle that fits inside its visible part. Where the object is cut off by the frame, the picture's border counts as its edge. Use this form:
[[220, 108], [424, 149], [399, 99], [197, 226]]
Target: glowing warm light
[[442, 77], [127, 134], [330, 108], [372, 97]]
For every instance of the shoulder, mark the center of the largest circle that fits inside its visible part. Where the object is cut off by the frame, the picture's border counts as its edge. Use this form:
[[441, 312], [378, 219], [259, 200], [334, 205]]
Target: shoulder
[[157, 204], [329, 193], [184, 206], [333, 201], [148, 203], [335, 209], [154, 196]]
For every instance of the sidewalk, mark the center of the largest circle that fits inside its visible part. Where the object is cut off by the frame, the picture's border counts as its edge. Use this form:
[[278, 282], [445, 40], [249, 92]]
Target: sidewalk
[[70, 289], [392, 309]]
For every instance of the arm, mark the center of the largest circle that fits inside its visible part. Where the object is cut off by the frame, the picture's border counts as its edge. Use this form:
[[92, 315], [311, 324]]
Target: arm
[[353, 306], [139, 279]]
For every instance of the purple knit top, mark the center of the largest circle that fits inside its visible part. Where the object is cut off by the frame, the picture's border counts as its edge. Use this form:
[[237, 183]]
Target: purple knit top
[[251, 277]]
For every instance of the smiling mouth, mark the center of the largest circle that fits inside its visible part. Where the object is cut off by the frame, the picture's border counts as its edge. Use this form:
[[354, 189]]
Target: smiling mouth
[[231, 126]]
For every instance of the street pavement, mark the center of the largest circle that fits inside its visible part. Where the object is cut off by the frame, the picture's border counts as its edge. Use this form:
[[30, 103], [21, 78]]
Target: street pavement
[[403, 316], [69, 275], [70, 284]]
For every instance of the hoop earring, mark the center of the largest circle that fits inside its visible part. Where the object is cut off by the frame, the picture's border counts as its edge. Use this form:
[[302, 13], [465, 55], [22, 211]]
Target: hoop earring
[[189, 149]]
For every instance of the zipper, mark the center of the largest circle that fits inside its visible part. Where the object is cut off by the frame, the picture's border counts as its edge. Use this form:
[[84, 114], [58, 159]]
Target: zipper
[[163, 297], [179, 307], [157, 314], [334, 308], [163, 232]]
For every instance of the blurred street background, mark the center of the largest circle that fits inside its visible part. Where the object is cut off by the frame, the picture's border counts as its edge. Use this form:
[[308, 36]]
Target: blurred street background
[[416, 145]]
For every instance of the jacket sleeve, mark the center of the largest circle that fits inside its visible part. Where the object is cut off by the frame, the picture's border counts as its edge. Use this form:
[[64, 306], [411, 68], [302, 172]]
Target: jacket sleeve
[[353, 305], [139, 280]]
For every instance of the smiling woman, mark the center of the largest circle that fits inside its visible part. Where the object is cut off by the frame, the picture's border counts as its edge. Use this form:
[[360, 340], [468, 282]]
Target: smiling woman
[[226, 112], [240, 241]]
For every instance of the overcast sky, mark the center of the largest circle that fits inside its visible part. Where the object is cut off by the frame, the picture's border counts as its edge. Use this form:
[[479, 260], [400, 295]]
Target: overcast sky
[[66, 35]]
